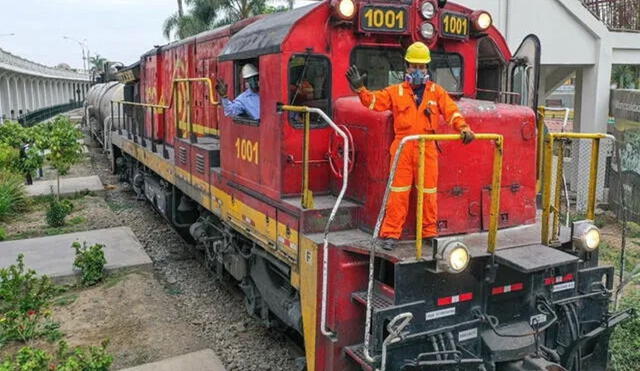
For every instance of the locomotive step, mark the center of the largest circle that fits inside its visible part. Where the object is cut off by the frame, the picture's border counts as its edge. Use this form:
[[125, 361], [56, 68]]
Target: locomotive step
[[379, 299], [314, 220], [356, 352]]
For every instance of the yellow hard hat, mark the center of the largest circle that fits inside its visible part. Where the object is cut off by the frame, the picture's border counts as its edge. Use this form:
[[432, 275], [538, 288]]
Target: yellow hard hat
[[418, 52]]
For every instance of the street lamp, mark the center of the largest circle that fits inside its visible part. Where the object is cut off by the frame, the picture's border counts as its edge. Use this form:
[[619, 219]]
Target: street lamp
[[83, 45]]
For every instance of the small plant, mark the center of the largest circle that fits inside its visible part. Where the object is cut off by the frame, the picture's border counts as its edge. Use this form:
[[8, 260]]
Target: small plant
[[633, 229], [24, 304], [65, 359], [13, 197], [3, 234], [65, 150], [58, 210], [90, 260]]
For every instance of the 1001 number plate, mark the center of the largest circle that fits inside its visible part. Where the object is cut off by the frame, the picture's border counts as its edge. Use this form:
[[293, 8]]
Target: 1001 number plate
[[374, 18], [454, 25]]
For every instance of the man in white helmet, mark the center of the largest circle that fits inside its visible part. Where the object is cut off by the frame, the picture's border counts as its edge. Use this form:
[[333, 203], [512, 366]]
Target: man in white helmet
[[247, 103]]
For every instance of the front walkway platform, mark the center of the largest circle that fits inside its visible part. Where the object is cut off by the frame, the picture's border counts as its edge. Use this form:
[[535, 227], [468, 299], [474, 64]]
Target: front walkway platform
[[67, 186], [203, 360], [54, 256]]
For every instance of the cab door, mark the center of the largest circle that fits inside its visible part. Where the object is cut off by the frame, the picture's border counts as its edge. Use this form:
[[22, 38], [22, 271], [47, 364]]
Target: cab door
[[523, 73]]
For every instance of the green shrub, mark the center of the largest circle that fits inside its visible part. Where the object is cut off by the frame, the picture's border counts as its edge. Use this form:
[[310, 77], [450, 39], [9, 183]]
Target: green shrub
[[13, 197], [90, 260], [79, 358], [58, 211], [25, 300], [625, 341], [633, 229], [3, 234]]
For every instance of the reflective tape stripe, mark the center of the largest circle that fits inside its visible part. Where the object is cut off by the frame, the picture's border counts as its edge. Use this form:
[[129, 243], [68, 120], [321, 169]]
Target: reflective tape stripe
[[453, 117], [400, 189], [430, 190], [373, 102], [431, 102], [400, 90], [433, 87]]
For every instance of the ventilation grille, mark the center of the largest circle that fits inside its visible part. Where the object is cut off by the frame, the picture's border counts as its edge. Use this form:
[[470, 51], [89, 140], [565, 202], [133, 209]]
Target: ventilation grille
[[200, 163], [182, 155]]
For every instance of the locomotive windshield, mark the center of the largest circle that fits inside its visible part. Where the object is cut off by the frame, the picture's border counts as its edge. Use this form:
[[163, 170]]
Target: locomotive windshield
[[385, 66]]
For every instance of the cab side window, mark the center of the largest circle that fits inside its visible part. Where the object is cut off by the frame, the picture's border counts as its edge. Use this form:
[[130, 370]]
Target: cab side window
[[309, 85], [240, 86]]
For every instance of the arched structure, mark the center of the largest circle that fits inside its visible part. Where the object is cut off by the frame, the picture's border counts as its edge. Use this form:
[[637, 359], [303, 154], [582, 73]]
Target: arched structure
[[27, 86]]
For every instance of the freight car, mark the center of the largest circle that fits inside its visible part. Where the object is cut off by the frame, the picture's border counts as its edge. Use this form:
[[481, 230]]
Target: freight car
[[288, 205]]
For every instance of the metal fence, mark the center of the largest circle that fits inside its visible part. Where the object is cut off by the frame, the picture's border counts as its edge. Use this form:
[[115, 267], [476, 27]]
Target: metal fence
[[618, 15], [42, 114]]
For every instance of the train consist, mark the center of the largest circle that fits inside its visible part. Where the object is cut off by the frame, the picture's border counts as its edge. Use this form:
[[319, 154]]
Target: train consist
[[286, 205]]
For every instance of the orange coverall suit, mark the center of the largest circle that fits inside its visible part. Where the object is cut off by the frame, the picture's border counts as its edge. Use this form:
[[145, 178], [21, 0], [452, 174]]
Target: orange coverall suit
[[410, 120]]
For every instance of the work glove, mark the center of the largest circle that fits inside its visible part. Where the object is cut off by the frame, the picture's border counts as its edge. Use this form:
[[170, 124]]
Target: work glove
[[221, 88], [467, 136], [356, 80]]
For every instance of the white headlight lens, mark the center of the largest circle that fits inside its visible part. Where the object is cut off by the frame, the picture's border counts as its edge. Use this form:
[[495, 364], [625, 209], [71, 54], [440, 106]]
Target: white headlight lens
[[459, 259], [346, 8], [592, 239], [426, 30], [484, 21], [586, 236], [453, 257], [428, 10]]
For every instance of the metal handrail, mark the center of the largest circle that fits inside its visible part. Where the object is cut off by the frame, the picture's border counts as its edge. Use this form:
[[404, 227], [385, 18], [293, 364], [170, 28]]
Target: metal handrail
[[493, 214], [546, 190], [345, 182]]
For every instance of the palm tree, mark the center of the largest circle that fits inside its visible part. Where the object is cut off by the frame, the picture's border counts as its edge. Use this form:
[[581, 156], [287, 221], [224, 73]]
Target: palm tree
[[203, 15], [97, 62]]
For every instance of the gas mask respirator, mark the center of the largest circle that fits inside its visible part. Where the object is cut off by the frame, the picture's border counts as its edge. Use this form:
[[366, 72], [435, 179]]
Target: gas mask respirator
[[417, 77]]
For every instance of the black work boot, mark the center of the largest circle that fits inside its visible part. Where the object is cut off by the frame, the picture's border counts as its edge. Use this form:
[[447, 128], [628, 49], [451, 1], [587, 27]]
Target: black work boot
[[389, 243]]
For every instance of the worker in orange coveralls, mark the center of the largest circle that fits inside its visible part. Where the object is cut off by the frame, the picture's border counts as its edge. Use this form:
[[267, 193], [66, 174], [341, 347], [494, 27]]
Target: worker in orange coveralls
[[416, 104]]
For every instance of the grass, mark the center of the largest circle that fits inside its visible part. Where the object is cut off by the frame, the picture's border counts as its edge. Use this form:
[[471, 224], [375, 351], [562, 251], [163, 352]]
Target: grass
[[611, 255], [119, 206], [13, 197], [64, 300]]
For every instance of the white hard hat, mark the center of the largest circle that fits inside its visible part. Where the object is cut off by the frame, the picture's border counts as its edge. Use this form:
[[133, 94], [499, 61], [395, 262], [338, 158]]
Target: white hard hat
[[249, 70]]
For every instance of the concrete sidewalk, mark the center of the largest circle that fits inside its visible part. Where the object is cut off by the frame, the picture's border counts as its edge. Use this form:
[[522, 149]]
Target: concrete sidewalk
[[67, 186], [203, 360], [54, 256]]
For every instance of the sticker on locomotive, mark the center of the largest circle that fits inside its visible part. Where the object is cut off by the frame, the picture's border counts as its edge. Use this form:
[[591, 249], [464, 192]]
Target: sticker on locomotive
[[440, 313], [538, 319], [564, 286], [376, 18], [454, 25], [469, 334]]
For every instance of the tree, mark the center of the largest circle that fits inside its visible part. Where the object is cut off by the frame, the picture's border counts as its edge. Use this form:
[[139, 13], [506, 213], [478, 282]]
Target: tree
[[204, 15], [20, 149], [625, 76], [64, 148], [97, 62]]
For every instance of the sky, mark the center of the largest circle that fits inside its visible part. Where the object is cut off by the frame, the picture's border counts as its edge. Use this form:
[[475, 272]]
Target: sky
[[119, 30]]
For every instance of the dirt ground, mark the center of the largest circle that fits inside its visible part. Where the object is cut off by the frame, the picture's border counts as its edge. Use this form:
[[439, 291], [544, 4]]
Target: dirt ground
[[134, 311]]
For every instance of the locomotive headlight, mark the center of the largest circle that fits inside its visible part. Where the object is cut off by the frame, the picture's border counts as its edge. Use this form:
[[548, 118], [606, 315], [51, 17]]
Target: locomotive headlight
[[586, 235], [453, 257], [428, 10], [346, 9], [481, 20], [427, 30]]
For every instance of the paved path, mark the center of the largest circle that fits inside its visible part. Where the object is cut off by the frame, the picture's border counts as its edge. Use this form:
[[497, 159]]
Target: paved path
[[54, 256], [67, 186], [203, 360]]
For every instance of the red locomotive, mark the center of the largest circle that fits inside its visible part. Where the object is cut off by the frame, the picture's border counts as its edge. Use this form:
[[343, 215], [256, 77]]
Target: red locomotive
[[270, 200]]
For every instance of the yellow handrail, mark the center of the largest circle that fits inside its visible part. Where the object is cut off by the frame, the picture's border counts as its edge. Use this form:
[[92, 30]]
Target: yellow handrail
[[495, 182], [307, 194], [546, 184]]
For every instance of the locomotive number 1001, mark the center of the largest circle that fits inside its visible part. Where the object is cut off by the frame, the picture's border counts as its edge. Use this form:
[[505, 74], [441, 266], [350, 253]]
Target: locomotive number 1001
[[247, 150]]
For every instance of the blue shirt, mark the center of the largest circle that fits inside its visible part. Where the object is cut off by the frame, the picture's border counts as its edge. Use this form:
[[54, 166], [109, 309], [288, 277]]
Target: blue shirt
[[247, 103]]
